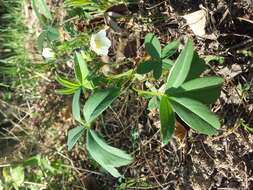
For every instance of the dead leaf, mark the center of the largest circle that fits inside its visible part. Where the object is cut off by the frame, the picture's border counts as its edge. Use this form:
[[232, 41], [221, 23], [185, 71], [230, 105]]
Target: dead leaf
[[180, 131], [198, 22]]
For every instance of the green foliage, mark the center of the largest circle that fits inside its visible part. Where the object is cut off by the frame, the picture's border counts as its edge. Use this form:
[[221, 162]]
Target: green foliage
[[196, 115], [70, 87], [167, 118], [74, 135], [170, 49], [95, 6], [98, 102], [205, 89], [243, 90], [107, 156], [82, 79], [153, 46], [36, 172], [187, 94], [50, 33], [182, 66], [18, 75], [159, 57], [76, 106], [41, 10], [14, 176], [246, 126], [87, 9], [141, 183], [82, 72], [211, 58], [198, 66]]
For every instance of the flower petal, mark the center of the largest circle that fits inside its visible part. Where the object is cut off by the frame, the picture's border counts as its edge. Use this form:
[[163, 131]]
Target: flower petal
[[102, 51], [99, 43], [106, 42], [101, 34], [93, 42], [48, 53]]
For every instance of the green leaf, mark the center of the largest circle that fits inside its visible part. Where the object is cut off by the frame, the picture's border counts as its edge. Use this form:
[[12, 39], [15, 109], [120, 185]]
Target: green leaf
[[14, 175], [196, 115], [167, 63], [41, 8], [219, 59], [170, 49], [36, 10], [66, 91], [167, 119], [33, 161], [73, 136], [81, 68], [46, 165], [198, 66], [157, 72], [53, 33], [152, 46], [181, 68], [107, 156], [76, 106], [152, 93], [153, 103], [98, 102], [88, 84], [41, 39], [205, 89], [67, 83], [146, 67]]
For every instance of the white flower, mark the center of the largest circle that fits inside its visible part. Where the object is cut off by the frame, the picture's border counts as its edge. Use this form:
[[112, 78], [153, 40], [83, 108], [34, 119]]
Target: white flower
[[48, 53], [100, 43]]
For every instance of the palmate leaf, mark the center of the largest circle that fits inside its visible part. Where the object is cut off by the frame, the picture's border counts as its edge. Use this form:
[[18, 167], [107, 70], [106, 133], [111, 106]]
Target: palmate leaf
[[205, 89], [107, 156], [170, 49], [66, 91], [167, 63], [167, 119], [76, 106], [81, 68], [152, 46], [198, 66], [40, 8], [146, 67], [157, 72], [41, 39], [98, 102], [77, 2], [154, 103], [181, 68], [151, 65], [49, 33], [196, 115], [73, 136], [67, 83], [52, 33]]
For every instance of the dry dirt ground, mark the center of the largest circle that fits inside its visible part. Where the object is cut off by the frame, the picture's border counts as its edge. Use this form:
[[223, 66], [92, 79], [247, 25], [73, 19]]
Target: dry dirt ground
[[190, 161]]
